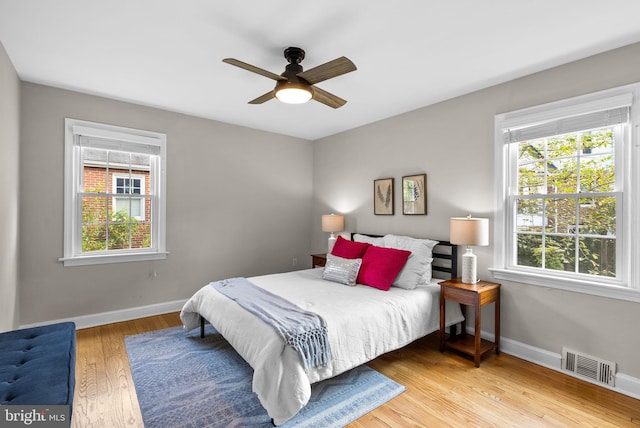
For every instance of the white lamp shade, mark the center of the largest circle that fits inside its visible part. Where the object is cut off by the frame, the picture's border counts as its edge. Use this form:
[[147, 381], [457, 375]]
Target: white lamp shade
[[332, 223], [469, 231]]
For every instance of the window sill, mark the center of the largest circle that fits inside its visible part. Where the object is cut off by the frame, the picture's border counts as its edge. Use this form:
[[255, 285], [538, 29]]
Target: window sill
[[112, 258], [592, 288]]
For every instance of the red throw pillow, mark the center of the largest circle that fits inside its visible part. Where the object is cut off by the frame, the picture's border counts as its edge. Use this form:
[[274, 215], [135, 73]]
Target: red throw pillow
[[380, 266], [349, 249]]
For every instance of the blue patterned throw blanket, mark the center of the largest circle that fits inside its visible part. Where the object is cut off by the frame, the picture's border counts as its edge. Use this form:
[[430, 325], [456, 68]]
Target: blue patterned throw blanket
[[304, 331]]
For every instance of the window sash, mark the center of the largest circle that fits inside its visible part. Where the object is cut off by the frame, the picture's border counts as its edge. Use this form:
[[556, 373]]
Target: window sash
[[513, 233]]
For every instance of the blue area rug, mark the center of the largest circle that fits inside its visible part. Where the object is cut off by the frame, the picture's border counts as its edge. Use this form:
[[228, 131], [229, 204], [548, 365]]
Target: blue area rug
[[185, 381]]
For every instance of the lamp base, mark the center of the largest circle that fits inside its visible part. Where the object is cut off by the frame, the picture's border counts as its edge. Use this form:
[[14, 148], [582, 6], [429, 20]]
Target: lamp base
[[331, 242], [469, 262]]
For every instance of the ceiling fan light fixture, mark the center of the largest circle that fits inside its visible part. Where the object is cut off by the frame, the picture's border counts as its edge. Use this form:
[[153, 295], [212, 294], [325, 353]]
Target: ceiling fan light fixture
[[293, 94], [296, 86]]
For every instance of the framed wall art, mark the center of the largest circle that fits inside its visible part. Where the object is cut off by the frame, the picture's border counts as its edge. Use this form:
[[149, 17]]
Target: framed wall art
[[383, 196], [414, 194]]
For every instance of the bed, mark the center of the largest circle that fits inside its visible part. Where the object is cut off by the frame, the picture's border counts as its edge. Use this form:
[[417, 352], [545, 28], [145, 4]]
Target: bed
[[362, 322]]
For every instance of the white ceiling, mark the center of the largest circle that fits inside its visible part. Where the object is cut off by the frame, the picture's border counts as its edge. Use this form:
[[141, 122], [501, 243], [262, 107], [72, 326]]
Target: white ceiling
[[409, 54]]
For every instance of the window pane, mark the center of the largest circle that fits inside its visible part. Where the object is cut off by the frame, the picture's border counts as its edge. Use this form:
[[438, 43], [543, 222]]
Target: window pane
[[562, 146], [119, 236], [94, 209], [562, 176], [598, 216], [598, 141], [560, 215], [529, 151], [529, 250], [141, 235], [560, 253], [531, 179], [597, 173], [598, 256], [94, 237], [94, 216], [529, 215], [94, 172]]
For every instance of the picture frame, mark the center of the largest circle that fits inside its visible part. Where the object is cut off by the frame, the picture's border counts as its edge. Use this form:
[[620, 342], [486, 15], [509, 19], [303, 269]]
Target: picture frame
[[414, 194], [383, 196]]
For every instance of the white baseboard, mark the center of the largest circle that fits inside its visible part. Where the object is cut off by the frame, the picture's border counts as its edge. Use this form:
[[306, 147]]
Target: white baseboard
[[86, 321], [625, 384]]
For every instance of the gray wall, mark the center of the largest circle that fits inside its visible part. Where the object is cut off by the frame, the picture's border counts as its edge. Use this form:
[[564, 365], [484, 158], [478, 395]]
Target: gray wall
[[241, 198], [453, 142], [238, 204], [9, 189]]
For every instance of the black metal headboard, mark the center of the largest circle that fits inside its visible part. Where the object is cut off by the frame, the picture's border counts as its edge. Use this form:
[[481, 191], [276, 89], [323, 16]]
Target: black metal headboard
[[445, 258]]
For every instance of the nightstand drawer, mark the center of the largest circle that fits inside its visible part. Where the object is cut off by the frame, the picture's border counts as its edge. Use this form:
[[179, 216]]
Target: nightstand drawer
[[458, 295]]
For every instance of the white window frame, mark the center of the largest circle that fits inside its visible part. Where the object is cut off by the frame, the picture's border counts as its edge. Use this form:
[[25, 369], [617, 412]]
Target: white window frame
[[129, 140], [143, 201], [627, 285]]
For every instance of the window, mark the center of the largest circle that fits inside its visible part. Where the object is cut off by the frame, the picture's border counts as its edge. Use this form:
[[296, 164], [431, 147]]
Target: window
[[130, 184], [114, 194], [565, 202], [565, 175]]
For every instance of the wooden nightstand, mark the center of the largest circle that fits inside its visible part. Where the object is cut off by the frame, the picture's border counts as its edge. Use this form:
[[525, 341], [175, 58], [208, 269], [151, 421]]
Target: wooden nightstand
[[476, 295], [318, 260]]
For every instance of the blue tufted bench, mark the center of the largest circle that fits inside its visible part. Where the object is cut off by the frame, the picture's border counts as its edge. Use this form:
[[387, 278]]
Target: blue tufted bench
[[37, 365]]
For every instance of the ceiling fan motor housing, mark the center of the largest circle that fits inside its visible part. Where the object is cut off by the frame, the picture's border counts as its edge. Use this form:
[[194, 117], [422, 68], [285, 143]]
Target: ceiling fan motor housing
[[294, 56]]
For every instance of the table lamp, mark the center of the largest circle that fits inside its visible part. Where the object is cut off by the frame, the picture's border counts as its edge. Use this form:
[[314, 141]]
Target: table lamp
[[469, 231], [332, 223]]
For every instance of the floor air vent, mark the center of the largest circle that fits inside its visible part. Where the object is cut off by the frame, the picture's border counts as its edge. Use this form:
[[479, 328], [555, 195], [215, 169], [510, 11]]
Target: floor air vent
[[590, 367]]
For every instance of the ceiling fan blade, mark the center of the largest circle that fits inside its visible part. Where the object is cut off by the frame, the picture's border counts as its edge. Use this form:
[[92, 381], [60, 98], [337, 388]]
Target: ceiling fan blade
[[263, 98], [253, 69], [327, 98], [328, 70]]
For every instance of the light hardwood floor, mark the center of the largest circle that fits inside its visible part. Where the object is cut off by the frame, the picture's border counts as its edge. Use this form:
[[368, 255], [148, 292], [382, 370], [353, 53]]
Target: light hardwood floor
[[443, 389]]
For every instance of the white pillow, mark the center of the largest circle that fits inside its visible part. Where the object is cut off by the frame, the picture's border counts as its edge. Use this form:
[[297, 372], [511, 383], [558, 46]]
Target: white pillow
[[417, 270], [378, 242], [426, 277], [344, 271]]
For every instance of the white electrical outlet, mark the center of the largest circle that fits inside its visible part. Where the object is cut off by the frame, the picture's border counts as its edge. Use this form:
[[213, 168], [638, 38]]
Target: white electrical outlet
[[294, 262]]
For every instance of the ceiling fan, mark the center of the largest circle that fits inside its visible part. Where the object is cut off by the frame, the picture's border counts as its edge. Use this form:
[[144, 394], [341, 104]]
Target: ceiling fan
[[295, 86]]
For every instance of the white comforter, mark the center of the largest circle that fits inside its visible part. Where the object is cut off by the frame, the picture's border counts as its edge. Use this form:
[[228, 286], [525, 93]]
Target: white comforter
[[362, 323]]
